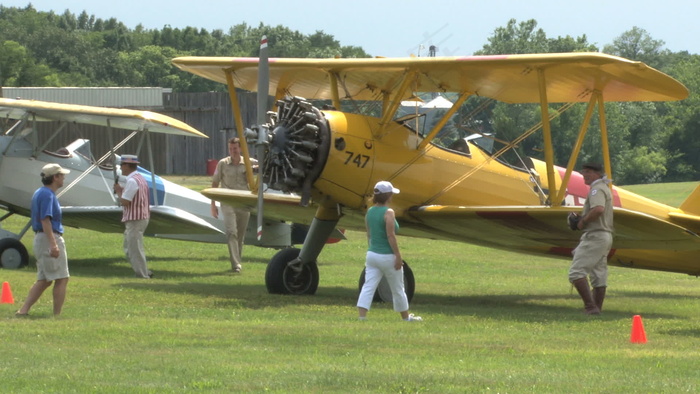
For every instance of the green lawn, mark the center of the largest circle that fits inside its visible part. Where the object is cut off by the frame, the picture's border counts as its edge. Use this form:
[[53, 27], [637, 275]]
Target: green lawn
[[494, 321]]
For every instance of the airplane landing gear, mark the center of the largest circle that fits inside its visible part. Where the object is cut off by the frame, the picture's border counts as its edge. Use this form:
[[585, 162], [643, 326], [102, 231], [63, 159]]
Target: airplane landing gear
[[13, 254], [383, 293], [286, 274]]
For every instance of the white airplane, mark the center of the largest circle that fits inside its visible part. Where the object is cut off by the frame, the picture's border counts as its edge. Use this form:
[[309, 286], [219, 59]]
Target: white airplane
[[87, 199]]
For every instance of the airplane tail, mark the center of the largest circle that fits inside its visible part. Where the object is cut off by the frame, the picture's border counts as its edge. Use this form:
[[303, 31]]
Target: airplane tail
[[692, 203]]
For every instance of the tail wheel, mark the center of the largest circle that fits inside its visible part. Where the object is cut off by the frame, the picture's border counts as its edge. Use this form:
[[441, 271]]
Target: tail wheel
[[13, 254], [383, 293], [296, 279]]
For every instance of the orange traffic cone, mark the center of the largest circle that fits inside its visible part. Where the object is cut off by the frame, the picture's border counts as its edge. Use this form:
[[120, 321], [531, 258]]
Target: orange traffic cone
[[6, 297], [638, 334]]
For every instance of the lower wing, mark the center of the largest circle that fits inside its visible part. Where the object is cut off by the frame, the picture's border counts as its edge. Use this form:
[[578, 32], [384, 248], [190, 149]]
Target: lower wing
[[164, 220], [523, 227]]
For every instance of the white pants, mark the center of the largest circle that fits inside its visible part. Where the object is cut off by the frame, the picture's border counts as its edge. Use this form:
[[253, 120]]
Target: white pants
[[133, 246], [376, 267]]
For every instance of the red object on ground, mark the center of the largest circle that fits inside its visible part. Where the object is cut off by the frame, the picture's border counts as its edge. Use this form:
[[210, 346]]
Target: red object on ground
[[6, 297], [638, 335]]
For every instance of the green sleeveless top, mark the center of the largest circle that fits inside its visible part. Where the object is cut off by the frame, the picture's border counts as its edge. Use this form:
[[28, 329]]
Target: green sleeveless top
[[378, 241]]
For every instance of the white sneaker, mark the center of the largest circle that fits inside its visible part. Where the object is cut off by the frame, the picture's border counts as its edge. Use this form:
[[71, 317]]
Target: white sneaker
[[413, 317]]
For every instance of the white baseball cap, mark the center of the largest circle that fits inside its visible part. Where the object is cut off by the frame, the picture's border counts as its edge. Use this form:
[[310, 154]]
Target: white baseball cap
[[385, 187]]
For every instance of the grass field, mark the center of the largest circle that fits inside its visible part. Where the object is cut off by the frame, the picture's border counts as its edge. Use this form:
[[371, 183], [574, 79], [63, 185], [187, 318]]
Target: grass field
[[493, 322]]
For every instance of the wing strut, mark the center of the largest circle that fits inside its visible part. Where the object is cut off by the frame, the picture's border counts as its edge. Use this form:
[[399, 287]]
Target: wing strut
[[240, 130], [443, 121], [334, 90], [604, 137], [596, 98], [577, 148], [547, 136], [149, 146], [503, 150], [262, 142], [93, 165], [390, 110], [38, 149], [110, 139]]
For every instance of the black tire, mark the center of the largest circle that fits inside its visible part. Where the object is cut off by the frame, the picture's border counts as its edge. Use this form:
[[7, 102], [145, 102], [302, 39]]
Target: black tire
[[13, 254], [383, 293], [282, 279]]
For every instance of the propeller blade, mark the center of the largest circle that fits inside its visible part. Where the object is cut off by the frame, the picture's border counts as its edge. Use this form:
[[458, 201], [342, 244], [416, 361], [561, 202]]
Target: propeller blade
[[263, 92]]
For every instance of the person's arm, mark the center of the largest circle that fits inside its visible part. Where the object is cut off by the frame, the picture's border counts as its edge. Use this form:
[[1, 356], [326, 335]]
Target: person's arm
[[48, 230], [389, 220], [592, 215], [120, 191], [367, 228], [214, 209]]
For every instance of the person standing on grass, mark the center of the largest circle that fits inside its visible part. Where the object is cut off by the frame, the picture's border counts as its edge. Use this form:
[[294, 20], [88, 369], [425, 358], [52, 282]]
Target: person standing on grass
[[591, 254], [49, 247], [383, 255], [231, 174], [136, 215]]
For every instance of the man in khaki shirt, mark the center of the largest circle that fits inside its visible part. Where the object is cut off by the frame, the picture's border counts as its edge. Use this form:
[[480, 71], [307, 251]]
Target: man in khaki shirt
[[231, 174], [591, 254]]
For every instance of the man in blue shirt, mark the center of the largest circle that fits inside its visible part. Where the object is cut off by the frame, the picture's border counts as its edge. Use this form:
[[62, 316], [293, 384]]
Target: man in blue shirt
[[49, 247]]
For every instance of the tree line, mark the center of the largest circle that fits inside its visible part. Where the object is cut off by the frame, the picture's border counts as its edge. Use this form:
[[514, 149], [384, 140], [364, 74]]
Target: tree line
[[649, 142]]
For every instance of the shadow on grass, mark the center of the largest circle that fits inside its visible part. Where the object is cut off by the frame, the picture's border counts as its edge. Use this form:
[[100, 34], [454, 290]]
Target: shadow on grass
[[516, 307], [654, 295], [527, 307], [683, 333], [120, 267]]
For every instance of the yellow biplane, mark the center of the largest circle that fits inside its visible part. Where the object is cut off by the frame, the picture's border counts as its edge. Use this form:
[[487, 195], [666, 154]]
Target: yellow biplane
[[332, 158]]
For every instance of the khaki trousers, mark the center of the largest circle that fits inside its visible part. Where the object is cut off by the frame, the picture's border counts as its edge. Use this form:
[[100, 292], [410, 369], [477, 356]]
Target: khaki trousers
[[591, 258], [236, 223], [133, 246]]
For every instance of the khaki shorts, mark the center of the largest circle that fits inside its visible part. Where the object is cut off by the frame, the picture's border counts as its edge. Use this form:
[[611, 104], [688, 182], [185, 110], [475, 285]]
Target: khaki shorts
[[49, 268], [591, 258]]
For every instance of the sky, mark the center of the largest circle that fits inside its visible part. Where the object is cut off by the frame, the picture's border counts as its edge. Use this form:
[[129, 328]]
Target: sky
[[394, 28]]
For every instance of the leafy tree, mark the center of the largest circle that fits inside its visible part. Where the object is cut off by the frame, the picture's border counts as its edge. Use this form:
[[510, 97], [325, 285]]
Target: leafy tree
[[13, 59], [516, 38], [637, 44]]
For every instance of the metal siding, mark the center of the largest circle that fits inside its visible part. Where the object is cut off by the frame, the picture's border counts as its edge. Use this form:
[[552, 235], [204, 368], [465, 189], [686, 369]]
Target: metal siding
[[139, 97]]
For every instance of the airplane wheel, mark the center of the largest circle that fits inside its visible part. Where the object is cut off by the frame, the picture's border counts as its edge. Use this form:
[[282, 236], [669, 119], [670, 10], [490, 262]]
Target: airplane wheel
[[13, 254], [383, 293], [283, 279]]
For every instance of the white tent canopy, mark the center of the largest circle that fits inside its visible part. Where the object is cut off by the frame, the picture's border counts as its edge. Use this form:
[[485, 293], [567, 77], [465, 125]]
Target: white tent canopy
[[437, 102]]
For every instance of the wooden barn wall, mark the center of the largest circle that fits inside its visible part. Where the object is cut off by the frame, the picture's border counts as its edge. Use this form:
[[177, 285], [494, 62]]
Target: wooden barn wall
[[210, 113]]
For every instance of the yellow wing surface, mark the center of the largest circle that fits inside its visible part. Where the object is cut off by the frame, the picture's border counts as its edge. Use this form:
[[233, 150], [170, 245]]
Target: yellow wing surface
[[283, 207], [568, 77], [113, 117], [545, 227], [519, 227]]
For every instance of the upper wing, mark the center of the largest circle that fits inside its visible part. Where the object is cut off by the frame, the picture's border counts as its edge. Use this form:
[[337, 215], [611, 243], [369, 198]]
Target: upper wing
[[101, 116], [569, 77], [545, 227], [164, 220]]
